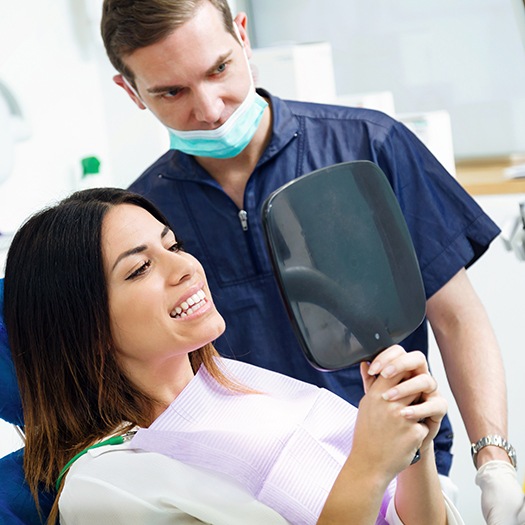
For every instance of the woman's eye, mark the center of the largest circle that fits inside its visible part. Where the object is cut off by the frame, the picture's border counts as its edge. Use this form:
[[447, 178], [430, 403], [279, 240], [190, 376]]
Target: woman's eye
[[139, 271], [176, 247]]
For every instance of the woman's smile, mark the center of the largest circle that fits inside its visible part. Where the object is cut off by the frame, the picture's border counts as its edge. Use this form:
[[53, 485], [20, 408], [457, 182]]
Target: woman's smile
[[190, 305]]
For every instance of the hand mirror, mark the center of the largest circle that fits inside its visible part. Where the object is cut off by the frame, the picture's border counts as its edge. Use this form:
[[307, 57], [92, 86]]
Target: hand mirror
[[344, 263]]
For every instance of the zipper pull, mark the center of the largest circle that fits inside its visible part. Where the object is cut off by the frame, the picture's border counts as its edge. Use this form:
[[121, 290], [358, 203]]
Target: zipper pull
[[243, 217]]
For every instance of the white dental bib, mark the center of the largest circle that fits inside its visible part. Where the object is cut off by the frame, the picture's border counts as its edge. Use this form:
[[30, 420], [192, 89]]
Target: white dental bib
[[285, 445]]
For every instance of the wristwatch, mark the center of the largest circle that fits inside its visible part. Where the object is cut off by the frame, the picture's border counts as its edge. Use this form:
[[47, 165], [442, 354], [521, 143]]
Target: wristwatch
[[496, 441]]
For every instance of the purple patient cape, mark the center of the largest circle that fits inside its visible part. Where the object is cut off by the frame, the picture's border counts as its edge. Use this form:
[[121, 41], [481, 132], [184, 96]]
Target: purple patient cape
[[286, 444]]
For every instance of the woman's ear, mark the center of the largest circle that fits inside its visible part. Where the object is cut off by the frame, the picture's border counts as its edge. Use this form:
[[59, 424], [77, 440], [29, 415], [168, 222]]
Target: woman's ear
[[121, 81]]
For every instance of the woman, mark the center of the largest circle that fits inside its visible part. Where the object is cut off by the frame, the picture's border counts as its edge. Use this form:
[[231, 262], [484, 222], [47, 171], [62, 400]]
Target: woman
[[111, 326]]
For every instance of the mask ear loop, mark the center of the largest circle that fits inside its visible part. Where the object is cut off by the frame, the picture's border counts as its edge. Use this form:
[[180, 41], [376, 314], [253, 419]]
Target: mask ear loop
[[250, 72], [132, 89], [238, 34]]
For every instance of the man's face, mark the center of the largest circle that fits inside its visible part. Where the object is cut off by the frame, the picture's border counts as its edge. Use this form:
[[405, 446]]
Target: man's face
[[196, 77]]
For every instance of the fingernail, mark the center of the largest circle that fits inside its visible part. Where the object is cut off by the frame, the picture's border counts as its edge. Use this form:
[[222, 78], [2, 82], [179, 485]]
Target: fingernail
[[388, 371], [374, 368], [407, 411], [390, 394]]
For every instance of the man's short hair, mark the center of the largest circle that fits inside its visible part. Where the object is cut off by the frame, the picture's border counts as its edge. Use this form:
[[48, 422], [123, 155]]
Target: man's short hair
[[128, 25]]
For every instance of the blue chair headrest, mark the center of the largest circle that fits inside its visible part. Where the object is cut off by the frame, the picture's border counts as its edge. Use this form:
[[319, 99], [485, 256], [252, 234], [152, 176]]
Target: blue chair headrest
[[10, 403], [17, 506]]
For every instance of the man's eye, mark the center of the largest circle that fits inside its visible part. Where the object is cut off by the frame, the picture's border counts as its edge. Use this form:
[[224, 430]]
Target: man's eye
[[221, 68], [176, 247], [171, 93], [139, 271]]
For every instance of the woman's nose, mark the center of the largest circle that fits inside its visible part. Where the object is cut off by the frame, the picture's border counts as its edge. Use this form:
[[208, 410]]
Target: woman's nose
[[180, 268], [208, 107]]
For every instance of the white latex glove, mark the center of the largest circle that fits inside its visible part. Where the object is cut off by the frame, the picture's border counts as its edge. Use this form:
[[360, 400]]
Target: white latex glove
[[521, 515], [501, 494]]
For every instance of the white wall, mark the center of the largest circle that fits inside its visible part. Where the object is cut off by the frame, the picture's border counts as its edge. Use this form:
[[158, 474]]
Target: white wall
[[465, 57]]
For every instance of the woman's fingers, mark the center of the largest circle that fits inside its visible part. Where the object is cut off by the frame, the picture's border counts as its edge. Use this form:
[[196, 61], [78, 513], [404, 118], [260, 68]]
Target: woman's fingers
[[395, 361], [402, 406], [385, 358], [420, 384], [435, 407]]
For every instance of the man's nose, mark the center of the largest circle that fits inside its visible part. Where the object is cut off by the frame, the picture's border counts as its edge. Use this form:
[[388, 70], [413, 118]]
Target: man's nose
[[208, 107]]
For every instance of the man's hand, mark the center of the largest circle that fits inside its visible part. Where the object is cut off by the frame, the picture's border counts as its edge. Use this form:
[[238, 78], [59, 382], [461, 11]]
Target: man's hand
[[501, 494]]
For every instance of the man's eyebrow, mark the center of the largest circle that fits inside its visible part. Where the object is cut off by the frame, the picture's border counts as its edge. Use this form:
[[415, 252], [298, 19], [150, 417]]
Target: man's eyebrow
[[223, 58], [155, 90], [162, 89], [138, 249]]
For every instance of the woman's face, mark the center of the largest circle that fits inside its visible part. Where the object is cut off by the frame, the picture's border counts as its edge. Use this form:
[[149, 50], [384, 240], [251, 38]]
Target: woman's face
[[159, 301]]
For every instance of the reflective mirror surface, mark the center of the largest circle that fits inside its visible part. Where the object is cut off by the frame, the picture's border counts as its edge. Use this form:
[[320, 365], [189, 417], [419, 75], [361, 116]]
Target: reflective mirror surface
[[344, 262]]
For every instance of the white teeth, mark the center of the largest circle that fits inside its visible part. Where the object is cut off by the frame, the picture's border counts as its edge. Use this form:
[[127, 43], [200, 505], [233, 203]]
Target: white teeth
[[190, 305]]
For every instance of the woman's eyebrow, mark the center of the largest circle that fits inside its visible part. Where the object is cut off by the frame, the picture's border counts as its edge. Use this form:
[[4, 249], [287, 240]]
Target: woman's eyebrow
[[164, 232], [138, 249], [127, 253]]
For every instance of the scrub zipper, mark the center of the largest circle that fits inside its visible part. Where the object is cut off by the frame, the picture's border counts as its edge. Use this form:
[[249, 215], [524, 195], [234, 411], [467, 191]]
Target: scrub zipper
[[243, 217]]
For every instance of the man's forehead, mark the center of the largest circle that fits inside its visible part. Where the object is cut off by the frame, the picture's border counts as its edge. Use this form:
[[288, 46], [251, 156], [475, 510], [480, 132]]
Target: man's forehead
[[194, 48]]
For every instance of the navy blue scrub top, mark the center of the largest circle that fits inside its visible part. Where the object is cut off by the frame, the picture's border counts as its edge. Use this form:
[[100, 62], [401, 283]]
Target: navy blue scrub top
[[449, 230]]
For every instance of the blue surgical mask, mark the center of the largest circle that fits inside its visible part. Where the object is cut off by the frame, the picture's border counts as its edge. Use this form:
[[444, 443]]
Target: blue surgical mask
[[228, 140]]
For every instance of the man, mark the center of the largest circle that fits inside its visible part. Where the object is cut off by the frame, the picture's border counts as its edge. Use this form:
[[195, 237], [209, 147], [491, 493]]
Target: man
[[187, 62]]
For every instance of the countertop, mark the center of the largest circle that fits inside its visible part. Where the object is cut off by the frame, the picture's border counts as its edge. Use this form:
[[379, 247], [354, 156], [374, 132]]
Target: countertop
[[487, 176]]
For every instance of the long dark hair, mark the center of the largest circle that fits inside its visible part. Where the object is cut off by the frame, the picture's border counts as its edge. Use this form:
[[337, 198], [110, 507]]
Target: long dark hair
[[57, 319]]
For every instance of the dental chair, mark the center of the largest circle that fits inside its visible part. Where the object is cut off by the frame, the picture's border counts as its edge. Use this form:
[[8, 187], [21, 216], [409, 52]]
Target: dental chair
[[17, 506]]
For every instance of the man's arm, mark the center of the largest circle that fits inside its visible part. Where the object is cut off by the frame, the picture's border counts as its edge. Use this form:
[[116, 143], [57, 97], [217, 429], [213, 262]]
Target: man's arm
[[476, 375], [472, 361]]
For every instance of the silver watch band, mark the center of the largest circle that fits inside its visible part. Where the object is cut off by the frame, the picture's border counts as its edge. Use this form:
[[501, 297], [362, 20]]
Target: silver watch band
[[496, 441]]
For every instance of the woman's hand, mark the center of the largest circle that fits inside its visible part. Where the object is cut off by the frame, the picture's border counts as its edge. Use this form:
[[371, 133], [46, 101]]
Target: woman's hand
[[401, 410], [399, 414]]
